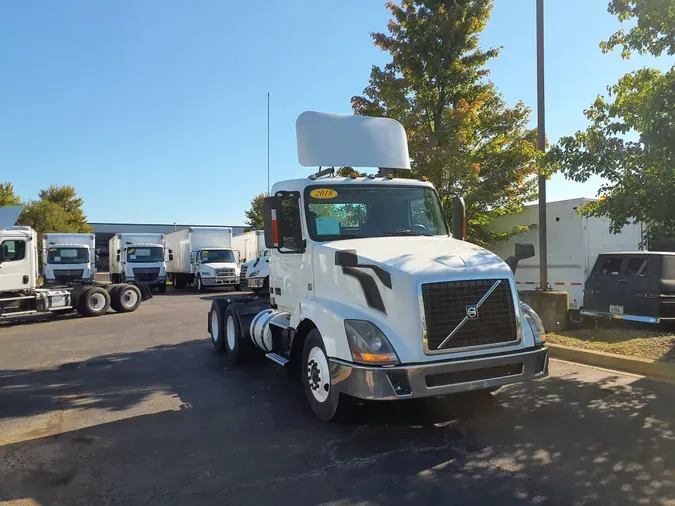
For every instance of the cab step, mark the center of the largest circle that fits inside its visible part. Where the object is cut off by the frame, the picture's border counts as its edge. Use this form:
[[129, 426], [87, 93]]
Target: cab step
[[275, 357]]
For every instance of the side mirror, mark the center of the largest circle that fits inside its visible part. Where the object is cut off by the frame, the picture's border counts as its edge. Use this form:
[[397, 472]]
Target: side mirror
[[3, 253], [170, 256], [118, 256], [282, 229], [458, 218], [119, 251], [523, 251]]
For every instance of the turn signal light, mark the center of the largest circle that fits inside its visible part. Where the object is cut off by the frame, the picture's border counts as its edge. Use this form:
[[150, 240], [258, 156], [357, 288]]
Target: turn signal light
[[390, 176], [372, 357]]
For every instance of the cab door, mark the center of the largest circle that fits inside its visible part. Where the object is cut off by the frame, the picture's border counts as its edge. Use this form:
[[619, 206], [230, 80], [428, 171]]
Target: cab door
[[642, 285], [605, 290], [15, 264]]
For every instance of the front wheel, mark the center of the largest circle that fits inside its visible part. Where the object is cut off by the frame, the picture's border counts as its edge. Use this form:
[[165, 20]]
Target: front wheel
[[200, 285], [326, 402]]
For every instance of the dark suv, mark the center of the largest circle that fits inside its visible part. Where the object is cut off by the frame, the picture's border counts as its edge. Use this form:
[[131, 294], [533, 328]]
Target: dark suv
[[636, 286]]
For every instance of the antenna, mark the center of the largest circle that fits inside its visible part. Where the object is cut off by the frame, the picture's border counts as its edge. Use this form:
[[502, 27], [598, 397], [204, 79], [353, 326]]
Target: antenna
[[268, 143]]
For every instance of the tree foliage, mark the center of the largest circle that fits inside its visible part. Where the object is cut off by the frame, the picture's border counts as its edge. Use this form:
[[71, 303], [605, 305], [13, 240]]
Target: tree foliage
[[462, 135], [7, 195], [254, 215], [631, 137]]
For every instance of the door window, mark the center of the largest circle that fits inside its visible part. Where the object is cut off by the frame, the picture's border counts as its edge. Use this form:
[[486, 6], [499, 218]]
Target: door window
[[292, 230], [637, 267], [14, 250], [611, 266]]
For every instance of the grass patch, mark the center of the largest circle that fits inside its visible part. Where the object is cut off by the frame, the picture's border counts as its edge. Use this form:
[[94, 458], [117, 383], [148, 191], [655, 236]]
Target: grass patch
[[628, 342]]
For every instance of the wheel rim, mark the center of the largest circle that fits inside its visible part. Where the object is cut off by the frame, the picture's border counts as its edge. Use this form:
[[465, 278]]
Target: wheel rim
[[230, 332], [215, 330], [97, 301], [318, 374], [129, 298]]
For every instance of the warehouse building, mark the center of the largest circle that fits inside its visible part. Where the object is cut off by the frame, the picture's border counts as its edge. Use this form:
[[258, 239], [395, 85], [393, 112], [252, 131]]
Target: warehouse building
[[104, 231]]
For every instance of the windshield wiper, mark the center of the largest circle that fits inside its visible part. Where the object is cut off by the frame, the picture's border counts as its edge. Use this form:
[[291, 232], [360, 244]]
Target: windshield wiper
[[337, 237], [403, 233]]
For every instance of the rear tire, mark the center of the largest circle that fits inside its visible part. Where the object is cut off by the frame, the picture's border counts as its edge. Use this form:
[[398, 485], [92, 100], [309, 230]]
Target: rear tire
[[326, 402], [238, 346], [125, 298], [216, 317], [94, 301]]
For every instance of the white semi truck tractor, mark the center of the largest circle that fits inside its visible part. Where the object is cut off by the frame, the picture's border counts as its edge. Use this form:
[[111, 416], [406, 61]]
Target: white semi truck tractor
[[370, 296], [139, 258], [68, 257], [202, 256], [21, 296]]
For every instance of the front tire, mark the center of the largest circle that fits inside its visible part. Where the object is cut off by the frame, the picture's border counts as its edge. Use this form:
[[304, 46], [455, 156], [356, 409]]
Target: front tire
[[326, 402], [161, 288], [200, 285], [94, 301]]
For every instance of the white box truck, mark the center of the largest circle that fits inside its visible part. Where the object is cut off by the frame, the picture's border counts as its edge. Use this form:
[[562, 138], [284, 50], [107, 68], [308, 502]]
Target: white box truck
[[68, 257], [202, 256], [139, 258], [252, 250], [369, 295], [21, 296], [574, 243]]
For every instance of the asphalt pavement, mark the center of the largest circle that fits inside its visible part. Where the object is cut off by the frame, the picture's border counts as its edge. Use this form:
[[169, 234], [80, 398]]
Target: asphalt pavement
[[137, 409]]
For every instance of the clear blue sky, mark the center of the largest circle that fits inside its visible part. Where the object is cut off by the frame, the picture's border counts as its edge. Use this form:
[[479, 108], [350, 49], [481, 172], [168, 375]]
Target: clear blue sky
[[155, 110]]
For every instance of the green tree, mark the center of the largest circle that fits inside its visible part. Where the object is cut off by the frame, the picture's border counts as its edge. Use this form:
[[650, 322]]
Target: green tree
[[630, 141], [462, 135], [7, 195], [254, 215], [59, 209]]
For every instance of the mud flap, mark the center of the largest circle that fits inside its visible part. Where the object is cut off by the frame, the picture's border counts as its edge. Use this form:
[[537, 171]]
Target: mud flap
[[146, 292]]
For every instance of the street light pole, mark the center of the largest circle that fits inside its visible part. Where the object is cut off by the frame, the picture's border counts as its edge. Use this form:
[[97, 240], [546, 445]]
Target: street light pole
[[541, 145]]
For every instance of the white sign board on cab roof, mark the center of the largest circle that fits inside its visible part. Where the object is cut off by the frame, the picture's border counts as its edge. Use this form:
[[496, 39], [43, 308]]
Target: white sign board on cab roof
[[340, 140]]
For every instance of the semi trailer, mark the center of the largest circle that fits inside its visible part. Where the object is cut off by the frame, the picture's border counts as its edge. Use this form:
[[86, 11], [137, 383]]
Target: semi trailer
[[202, 256], [68, 257], [370, 296], [21, 296], [138, 258]]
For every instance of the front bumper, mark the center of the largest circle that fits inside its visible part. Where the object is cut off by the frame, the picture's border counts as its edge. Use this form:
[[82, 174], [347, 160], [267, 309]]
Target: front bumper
[[221, 281], [438, 378]]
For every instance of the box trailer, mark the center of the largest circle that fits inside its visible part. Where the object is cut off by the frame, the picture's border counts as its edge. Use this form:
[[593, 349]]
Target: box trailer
[[249, 245], [138, 258], [574, 243], [202, 256], [68, 257]]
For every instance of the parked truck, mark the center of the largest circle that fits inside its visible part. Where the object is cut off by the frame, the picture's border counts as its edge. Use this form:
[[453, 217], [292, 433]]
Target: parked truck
[[574, 243], [369, 295], [20, 294], [139, 258], [202, 256], [253, 253], [68, 257]]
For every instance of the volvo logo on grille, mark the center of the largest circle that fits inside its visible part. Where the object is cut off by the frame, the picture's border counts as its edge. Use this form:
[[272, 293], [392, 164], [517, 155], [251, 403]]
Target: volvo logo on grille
[[471, 312]]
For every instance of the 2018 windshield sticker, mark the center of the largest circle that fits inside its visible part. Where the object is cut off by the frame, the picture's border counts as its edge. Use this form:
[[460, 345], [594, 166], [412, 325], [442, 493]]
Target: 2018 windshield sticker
[[323, 193]]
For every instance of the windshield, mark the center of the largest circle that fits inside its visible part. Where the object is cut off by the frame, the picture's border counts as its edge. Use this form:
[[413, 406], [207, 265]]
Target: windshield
[[347, 212], [145, 254], [217, 255], [68, 255]]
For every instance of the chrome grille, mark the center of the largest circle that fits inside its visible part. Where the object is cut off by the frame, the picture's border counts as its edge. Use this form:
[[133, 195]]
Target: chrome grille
[[447, 304], [227, 271]]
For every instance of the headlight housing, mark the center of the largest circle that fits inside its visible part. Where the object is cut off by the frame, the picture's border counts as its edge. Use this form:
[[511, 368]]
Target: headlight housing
[[535, 322], [368, 344], [254, 274], [208, 273]]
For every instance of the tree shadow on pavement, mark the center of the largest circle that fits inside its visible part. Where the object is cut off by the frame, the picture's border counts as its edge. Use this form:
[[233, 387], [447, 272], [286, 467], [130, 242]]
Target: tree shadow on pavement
[[188, 431]]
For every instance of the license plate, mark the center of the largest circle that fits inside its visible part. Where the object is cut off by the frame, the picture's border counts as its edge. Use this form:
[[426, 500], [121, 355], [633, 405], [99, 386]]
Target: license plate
[[616, 309], [255, 283]]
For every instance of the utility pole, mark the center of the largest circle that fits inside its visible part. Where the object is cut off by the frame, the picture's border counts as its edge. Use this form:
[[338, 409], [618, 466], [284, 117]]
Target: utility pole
[[541, 145], [268, 143]]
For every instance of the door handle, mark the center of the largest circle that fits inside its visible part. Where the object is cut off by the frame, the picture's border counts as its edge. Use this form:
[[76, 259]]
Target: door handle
[[621, 280]]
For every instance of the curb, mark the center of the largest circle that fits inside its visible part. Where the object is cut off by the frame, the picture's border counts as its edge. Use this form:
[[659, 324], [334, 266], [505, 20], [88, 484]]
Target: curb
[[654, 369]]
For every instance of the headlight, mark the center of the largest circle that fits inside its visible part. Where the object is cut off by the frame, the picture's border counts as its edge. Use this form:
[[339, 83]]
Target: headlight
[[254, 274], [207, 273], [535, 322], [368, 344]]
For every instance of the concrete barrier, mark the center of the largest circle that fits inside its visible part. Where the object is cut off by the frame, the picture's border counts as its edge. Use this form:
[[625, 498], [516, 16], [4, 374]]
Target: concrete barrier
[[655, 369], [552, 307]]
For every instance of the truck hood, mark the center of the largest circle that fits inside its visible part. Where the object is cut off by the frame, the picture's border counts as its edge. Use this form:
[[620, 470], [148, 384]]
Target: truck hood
[[428, 258], [219, 265]]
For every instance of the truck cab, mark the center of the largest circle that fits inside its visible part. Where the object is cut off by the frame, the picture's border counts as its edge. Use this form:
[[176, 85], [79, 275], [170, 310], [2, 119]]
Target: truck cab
[[139, 258], [18, 259], [68, 257], [256, 273], [370, 295], [215, 267]]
